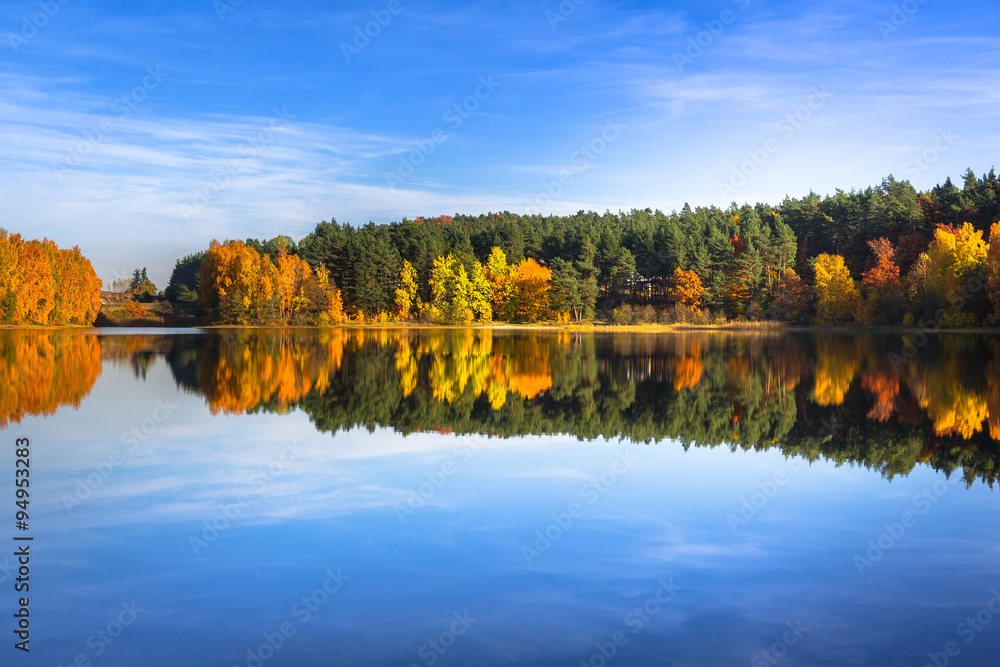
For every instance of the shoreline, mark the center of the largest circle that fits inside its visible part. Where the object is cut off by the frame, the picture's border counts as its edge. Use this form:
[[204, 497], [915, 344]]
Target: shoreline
[[596, 327]]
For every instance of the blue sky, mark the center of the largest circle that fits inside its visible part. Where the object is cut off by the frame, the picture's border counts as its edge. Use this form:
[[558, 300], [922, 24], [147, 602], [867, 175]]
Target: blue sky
[[141, 130]]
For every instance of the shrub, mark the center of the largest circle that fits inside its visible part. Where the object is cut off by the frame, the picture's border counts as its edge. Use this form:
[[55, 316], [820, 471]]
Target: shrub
[[623, 315], [678, 313], [134, 309]]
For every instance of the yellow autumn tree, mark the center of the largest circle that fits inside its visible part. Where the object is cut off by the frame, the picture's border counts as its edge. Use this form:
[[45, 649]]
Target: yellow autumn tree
[[226, 289], [450, 288], [480, 293], [836, 296], [955, 258], [406, 294], [287, 282], [334, 311], [497, 272]]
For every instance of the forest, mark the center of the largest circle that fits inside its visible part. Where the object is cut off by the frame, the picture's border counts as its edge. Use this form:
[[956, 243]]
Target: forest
[[886, 255]]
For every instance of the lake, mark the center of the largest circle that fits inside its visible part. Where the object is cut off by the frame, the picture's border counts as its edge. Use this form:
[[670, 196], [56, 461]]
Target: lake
[[475, 497]]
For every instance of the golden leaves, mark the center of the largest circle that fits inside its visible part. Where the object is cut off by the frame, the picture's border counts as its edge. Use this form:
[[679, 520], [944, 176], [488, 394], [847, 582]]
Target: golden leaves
[[835, 292]]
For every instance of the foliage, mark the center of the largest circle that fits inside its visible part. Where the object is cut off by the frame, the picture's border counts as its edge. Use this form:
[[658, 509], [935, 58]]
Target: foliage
[[141, 287], [240, 286], [333, 313], [528, 300], [881, 286], [567, 292], [407, 298], [836, 295], [993, 271], [183, 285], [41, 284], [480, 293], [740, 254], [955, 262], [452, 291], [687, 288], [954, 256], [135, 309], [791, 298], [498, 272]]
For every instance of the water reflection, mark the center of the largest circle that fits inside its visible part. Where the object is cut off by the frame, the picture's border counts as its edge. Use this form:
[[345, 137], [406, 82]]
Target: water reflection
[[198, 481], [41, 372], [863, 399]]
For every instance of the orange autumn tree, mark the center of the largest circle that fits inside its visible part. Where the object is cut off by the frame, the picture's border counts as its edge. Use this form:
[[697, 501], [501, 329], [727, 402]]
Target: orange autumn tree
[[78, 289], [880, 283], [883, 278], [687, 288], [38, 287], [528, 298], [241, 286], [41, 284], [993, 271], [231, 282], [296, 286]]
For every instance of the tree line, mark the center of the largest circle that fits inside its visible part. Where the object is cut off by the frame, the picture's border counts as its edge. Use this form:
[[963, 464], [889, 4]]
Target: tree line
[[884, 255], [41, 284]]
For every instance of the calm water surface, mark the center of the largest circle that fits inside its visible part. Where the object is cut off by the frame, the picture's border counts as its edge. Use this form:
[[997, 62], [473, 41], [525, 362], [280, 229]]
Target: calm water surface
[[474, 498]]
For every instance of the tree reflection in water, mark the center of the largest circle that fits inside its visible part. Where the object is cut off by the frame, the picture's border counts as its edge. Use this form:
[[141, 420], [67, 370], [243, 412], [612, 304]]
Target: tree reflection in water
[[847, 398]]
